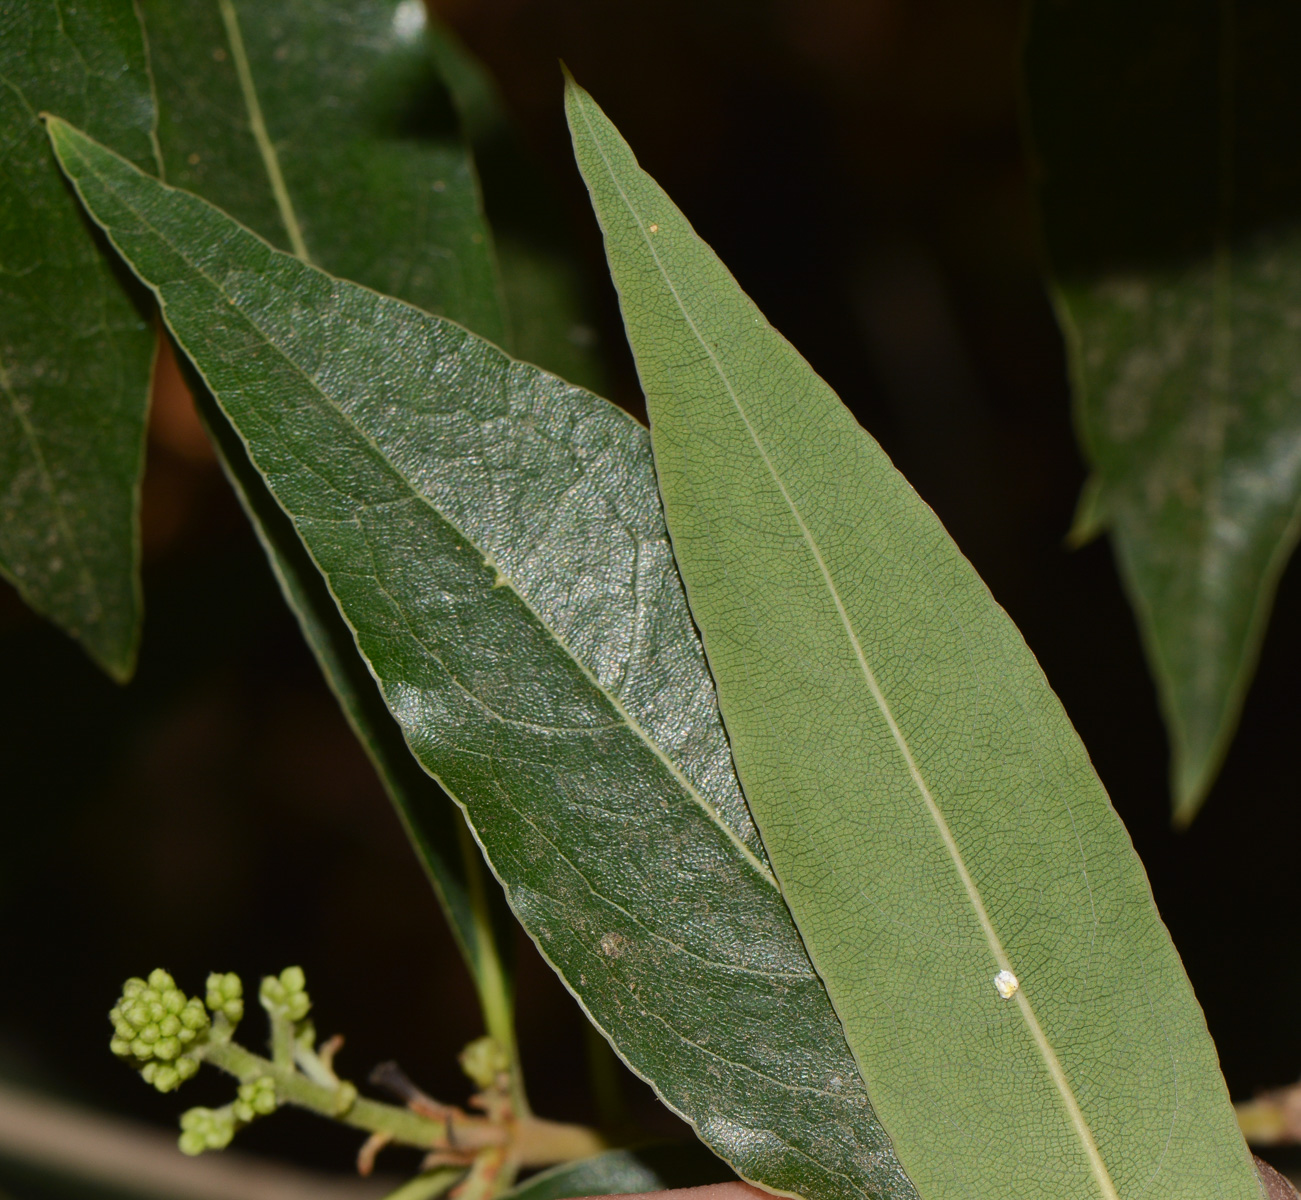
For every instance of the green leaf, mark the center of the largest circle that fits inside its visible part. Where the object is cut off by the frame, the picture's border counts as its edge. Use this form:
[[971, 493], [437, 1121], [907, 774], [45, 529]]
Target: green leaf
[[625, 1172], [494, 538], [437, 831], [1170, 206], [297, 115], [325, 128], [929, 811], [75, 351]]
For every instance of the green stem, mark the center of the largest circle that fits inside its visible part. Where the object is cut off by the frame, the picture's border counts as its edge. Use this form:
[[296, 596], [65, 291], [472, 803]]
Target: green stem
[[341, 1103], [532, 1141], [495, 998], [282, 1040]]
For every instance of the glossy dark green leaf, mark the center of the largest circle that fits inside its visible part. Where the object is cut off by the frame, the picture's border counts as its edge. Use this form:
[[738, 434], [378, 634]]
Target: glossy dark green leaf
[[622, 1172], [75, 350], [437, 832], [494, 538], [299, 115], [964, 888], [1171, 197]]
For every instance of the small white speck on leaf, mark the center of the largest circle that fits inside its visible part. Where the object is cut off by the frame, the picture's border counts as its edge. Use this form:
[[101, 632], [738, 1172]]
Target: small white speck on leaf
[[654, 229], [1006, 984]]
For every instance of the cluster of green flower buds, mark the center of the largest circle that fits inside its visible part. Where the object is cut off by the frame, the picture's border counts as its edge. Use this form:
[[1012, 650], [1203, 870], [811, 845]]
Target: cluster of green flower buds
[[154, 1024], [207, 1129], [225, 995], [256, 1099], [286, 995], [213, 1128]]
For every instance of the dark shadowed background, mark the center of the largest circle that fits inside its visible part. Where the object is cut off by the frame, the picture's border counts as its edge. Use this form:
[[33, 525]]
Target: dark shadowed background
[[859, 166]]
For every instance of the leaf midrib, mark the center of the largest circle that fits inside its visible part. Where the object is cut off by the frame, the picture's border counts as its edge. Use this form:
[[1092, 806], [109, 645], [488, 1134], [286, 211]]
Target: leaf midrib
[[1052, 1063], [631, 722]]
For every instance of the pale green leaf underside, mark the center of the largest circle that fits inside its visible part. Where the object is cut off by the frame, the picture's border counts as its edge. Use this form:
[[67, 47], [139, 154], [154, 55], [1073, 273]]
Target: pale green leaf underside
[[75, 352], [925, 803], [494, 538]]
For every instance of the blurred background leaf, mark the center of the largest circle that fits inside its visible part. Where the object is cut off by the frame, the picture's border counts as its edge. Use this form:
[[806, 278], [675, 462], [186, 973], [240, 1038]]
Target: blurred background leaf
[[326, 128], [75, 343], [1170, 204]]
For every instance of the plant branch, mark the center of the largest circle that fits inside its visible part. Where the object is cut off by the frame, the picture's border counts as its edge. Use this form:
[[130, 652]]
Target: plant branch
[[532, 1141], [495, 998]]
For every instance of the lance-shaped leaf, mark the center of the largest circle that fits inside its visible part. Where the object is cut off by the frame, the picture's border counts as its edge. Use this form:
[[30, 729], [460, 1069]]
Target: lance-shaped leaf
[[1173, 220], [75, 351], [297, 116], [494, 539], [936, 826]]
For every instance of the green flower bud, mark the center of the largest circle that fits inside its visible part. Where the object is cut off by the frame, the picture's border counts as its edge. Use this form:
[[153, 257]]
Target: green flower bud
[[483, 1060], [154, 1023], [225, 994], [206, 1129], [256, 1099], [286, 995], [193, 1017]]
